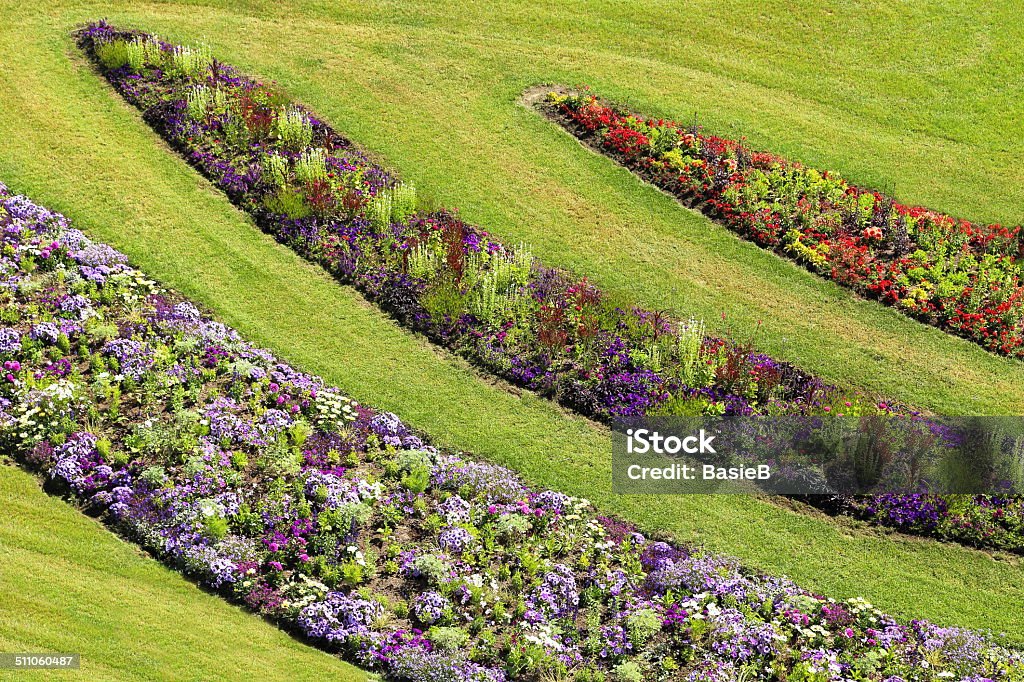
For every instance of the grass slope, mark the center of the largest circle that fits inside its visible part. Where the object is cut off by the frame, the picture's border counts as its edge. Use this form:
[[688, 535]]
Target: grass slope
[[72, 587], [436, 93]]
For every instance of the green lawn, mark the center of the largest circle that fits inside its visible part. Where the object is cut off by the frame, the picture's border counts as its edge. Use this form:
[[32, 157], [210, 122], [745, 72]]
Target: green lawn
[[71, 587], [435, 93]]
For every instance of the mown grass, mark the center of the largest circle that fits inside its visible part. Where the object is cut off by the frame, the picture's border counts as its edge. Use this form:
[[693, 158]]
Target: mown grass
[[71, 587], [435, 93]]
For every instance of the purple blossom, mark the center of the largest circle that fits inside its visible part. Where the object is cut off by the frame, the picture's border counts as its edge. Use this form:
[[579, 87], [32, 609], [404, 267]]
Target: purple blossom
[[557, 594], [45, 332], [134, 357], [454, 539], [339, 617], [429, 607], [420, 665], [10, 341]]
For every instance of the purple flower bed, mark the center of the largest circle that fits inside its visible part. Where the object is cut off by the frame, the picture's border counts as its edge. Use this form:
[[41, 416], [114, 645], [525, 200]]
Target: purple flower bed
[[344, 526], [979, 520], [548, 330]]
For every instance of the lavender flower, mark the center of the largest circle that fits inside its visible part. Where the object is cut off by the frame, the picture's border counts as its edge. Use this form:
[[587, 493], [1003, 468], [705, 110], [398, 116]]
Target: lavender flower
[[454, 539], [419, 665], [339, 618], [45, 332], [134, 357], [10, 341], [429, 607]]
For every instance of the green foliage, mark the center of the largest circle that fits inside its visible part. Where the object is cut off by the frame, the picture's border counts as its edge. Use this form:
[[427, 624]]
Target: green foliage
[[113, 54], [497, 292], [403, 201], [628, 671], [435, 570], [239, 460], [100, 332], [236, 132], [311, 166], [203, 100], [444, 299], [293, 129], [693, 360], [378, 210], [353, 573], [190, 62], [661, 140], [395, 204], [642, 625], [198, 102], [511, 527], [215, 527], [448, 638], [136, 53], [425, 261], [275, 169], [345, 518], [299, 432], [155, 476], [288, 201], [412, 460], [417, 480]]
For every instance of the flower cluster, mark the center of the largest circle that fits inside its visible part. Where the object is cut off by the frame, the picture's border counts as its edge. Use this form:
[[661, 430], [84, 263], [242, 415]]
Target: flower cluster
[[979, 520], [339, 618], [963, 277], [353, 531]]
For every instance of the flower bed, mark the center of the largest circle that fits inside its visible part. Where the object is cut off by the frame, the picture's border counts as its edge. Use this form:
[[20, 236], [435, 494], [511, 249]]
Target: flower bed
[[994, 521], [548, 330], [963, 277], [545, 329], [343, 525]]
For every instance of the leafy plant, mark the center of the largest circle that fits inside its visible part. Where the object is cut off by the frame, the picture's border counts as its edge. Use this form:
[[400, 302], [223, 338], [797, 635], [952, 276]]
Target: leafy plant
[[293, 129], [189, 62]]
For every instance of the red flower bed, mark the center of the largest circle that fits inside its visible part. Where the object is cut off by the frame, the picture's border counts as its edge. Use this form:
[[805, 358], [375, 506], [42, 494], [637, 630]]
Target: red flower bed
[[962, 277]]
